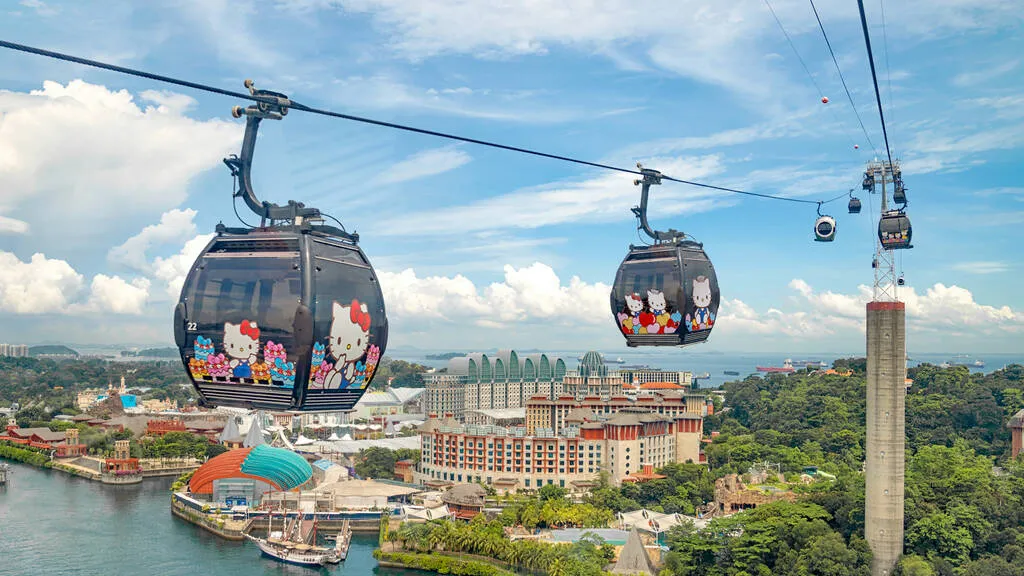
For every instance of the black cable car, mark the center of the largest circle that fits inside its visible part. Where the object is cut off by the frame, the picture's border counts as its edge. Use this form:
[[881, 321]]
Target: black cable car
[[869, 181], [665, 294], [894, 231], [899, 194], [854, 205], [288, 315]]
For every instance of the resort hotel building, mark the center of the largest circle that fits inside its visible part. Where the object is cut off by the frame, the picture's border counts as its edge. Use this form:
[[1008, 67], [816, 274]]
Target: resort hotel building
[[584, 423]]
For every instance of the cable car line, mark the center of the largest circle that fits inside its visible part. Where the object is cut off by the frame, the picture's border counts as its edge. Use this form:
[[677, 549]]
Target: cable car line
[[278, 100], [885, 47], [803, 64], [874, 77], [841, 77]]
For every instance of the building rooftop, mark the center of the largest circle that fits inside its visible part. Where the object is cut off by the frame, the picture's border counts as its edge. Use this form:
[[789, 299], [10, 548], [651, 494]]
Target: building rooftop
[[1017, 421], [503, 413], [633, 559], [465, 495], [366, 488]]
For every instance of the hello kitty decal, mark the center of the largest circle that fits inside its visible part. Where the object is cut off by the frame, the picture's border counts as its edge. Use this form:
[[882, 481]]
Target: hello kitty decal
[[650, 315], [345, 360], [703, 318], [352, 359]]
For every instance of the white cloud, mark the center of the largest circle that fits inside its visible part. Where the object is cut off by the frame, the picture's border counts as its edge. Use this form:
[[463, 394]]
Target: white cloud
[[830, 315], [85, 155], [975, 77], [39, 286], [174, 226], [51, 286], [425, 163], [41, 8], [532, 293], [12, 226], [605, 198], [174, 269], [981, 267], [114, 294]]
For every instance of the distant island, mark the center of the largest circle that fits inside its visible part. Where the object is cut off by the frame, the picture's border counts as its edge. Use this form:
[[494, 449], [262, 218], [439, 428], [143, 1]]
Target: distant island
[[51, 349], [445, 356], [151, 353]]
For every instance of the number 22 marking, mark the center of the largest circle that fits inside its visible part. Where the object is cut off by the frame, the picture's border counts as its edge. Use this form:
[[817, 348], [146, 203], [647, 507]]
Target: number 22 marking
[[191, 327]]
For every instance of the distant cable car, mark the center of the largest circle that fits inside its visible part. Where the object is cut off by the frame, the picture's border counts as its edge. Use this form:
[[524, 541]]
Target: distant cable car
[[665, 294], [869, 181], [854, 205], [825, 229], [894, 231], [285, 316], [899, 193]]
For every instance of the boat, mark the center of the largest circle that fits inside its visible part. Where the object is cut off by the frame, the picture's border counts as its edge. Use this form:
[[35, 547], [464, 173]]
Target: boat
[[296, 544], [979, 364], [731, 373], [704, 376], [786, 368], [618, 360]]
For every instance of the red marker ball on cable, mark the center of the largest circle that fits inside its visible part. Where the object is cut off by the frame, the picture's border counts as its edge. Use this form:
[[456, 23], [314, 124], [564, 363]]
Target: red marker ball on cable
[[824, 99]]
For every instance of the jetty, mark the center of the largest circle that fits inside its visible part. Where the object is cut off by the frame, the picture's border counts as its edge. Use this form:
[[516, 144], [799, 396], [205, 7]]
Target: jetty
[[4, 471]]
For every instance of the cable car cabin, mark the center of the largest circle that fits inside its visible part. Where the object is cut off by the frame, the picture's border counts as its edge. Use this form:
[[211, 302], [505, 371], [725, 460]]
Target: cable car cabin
[[854, 206], [869, 182], [899, 194], [894, 231], [825, 229], [287, 318], [665, 295]]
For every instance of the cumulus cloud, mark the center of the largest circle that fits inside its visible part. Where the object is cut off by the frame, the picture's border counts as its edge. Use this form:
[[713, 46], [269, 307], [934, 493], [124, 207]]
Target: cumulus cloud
[[824, 314], [426, 163], [51, 286], [174, 226], [173, 269], [532, 293], [84, 155], [605, 198]]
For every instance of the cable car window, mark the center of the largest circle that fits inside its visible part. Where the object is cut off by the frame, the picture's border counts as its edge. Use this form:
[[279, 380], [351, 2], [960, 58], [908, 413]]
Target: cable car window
[[242, 310], [350, 330], [647, 296]]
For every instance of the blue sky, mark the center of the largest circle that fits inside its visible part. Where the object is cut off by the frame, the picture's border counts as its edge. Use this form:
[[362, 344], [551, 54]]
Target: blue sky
[[103, 193]]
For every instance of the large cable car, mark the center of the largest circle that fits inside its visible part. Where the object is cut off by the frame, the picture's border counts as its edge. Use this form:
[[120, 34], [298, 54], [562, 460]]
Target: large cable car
[[894, 231], [288, 315], [665, 294]]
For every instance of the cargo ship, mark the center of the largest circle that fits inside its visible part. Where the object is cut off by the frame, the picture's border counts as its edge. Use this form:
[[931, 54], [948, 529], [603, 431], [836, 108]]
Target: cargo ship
[[786, 368]]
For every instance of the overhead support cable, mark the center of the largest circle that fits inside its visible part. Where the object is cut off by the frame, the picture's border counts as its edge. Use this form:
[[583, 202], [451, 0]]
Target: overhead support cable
[[841, 77], [291, 104], [874, 78]]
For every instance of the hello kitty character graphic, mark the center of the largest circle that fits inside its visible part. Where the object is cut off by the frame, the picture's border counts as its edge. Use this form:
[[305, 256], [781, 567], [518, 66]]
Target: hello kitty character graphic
[[241, 343], [663, 321], [349, 339], [629, 318], [703, 318]]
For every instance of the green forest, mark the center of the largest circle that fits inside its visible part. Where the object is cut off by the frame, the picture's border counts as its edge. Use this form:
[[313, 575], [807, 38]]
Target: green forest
[[964, 498]]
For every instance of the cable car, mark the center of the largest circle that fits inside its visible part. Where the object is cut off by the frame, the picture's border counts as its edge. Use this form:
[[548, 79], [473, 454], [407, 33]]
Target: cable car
[[899, 193], [825, 229], [288, 315], [854, 205], [894, 231], [869, 181], [665, 294]]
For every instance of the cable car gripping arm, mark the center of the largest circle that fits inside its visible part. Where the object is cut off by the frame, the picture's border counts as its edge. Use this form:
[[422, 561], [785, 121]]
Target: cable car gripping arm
[[652, 177], [273, 106]]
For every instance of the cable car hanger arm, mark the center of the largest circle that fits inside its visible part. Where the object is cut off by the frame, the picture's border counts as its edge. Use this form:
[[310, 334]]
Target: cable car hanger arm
[[651, 177]]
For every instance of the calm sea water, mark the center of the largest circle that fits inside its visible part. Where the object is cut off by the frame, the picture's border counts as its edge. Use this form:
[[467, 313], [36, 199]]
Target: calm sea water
[[716, 364], [51, 523]]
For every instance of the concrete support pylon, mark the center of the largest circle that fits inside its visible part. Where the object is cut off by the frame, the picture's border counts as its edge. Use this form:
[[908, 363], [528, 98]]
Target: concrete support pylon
[[886, 434]]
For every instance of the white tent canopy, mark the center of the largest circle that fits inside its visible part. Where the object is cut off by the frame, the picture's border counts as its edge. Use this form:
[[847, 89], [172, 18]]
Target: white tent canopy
[[650, 521]]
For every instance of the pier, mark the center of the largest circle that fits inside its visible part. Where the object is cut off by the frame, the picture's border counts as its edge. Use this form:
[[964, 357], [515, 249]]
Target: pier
[[4, 471]]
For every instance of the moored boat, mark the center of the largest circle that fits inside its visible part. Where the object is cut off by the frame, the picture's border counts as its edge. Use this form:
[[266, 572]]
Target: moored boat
[[732, 373]]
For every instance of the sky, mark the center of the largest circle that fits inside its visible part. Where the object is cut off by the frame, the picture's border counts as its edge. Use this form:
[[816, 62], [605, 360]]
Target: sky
[[110, 185]]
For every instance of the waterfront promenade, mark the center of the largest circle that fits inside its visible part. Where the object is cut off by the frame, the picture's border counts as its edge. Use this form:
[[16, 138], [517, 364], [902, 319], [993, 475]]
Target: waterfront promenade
[[128, 530]]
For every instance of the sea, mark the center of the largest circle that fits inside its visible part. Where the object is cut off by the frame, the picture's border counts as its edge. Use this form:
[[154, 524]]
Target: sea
[[53, 523], [715, 364]]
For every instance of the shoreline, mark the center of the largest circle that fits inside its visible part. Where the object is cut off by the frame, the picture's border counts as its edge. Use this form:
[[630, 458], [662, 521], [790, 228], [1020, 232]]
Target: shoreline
[[69, 466]]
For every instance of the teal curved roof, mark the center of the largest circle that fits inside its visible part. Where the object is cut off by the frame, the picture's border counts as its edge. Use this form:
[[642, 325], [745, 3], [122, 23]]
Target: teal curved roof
[[283, 467]]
